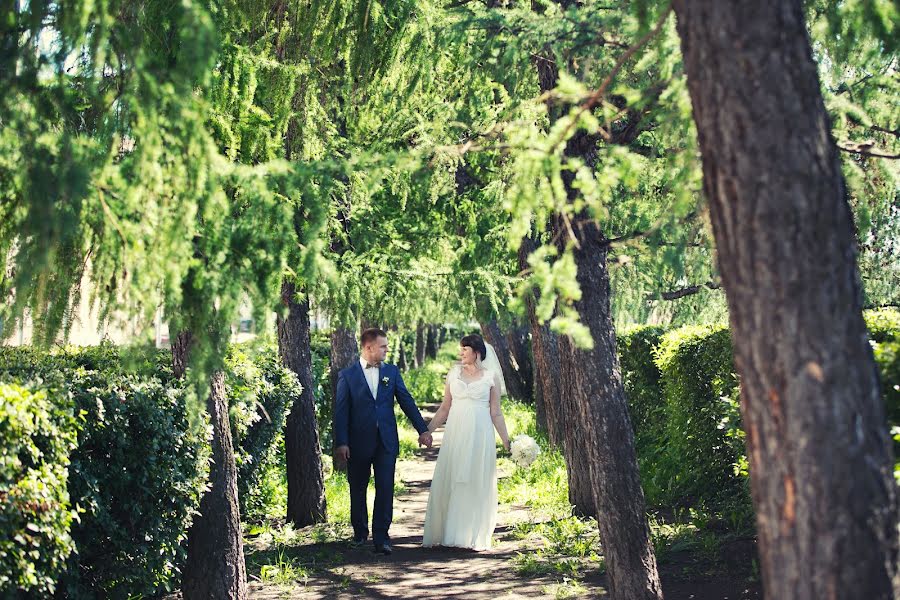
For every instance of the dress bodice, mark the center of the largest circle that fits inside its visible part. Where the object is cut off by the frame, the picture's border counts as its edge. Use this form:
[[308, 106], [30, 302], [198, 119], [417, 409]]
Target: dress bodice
[[477, 391]]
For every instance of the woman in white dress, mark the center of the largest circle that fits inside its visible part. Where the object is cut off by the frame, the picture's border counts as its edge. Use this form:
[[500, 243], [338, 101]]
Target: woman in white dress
[[462, 504]]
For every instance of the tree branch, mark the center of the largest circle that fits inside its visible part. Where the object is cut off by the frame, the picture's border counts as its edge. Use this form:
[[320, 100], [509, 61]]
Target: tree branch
[[690, 290], [865, 149]]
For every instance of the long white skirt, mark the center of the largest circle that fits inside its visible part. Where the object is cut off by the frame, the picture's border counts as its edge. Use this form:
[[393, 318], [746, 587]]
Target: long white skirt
[[462, 504]]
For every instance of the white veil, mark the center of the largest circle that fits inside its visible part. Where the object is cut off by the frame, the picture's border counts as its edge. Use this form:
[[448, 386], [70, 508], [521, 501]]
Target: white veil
[[491, 363]]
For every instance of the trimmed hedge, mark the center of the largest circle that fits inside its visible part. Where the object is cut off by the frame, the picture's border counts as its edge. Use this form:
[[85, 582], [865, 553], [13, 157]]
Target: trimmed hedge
[[684, 400], [138, 469], [138, 474], [36, 436]]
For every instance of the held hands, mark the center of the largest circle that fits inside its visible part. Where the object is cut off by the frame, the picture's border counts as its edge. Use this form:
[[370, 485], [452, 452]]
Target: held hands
[[425, 439]]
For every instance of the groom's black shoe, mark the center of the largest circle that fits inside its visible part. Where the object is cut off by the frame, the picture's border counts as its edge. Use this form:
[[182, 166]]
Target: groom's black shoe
[[384, 548]]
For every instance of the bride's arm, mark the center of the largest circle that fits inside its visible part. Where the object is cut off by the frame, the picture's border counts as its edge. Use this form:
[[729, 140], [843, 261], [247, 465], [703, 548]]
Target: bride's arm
[[497, 414], [441, 415]]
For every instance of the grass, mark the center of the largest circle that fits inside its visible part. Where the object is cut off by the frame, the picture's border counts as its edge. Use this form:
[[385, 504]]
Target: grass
[[284, 570]]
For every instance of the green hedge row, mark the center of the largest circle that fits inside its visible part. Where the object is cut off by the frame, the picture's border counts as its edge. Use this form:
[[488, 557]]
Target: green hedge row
[[35, 512], [683, 396], [136, 467]]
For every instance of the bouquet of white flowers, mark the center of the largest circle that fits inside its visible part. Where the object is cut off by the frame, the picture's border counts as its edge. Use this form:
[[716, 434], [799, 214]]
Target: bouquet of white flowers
[[524, 450]]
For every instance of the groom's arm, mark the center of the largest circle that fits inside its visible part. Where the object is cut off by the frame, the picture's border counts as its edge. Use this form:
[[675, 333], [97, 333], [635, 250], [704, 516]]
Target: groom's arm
[[342, 413], [408, 405]]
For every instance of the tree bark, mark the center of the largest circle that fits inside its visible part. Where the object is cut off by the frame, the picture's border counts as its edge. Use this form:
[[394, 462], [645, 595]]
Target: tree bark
[[431, 341], [820, 456], [545, 357], [343, 352], [595, 408], [215, 552], [402, 360], [518, 338], [593, 385], [420, 345], [492, 334], [303, 455]]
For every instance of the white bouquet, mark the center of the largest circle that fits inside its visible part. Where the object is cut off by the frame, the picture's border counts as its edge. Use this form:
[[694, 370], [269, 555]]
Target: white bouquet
[[524, 450]]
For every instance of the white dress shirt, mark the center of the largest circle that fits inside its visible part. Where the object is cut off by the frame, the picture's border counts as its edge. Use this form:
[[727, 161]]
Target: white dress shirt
[[371, 376]]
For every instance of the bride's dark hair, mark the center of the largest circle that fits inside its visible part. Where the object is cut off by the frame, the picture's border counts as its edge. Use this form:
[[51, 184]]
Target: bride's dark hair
[[476, 343]]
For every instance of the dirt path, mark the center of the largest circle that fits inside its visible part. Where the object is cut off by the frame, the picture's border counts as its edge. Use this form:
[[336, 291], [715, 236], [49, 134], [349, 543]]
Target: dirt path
[[412, 571]]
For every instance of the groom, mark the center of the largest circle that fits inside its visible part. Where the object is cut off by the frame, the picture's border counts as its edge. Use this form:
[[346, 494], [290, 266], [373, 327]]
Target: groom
[[365, 432]]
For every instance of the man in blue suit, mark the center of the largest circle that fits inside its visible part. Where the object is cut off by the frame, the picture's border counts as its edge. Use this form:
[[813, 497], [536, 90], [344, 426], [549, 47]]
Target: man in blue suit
[[365, 433]]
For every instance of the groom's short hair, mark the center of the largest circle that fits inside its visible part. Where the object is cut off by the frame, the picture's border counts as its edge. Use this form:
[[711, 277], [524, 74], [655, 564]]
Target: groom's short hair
[[370, 335]]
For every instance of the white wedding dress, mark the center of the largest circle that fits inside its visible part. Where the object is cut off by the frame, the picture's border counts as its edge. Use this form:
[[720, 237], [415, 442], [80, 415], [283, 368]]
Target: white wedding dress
[[462, 505]]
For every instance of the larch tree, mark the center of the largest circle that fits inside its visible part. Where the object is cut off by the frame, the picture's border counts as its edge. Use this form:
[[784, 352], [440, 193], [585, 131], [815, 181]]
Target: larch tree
[[820, 457]]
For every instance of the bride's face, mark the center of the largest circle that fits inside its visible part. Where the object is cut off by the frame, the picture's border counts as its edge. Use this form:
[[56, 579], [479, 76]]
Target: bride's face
[[466, 355]]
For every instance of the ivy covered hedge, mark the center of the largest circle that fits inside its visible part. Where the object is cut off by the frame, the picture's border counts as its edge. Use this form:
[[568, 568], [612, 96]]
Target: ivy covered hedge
[[136, 467], [683, 396]]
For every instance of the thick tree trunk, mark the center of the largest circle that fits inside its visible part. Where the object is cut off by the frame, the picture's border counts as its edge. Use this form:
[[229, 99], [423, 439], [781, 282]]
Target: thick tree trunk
[[303, 455], [492, 334], [518, 339], [596, 412], [820, 457], [343, 352], [215, 552], [431, 341], [593, 384], [420, 345]]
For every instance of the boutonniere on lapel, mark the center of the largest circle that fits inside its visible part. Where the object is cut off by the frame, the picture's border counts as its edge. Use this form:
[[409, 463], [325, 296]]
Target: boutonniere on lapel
[[385, 381]]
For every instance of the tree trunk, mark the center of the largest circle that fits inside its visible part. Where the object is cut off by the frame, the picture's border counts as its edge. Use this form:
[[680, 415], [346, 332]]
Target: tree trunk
[[492, 334], [431, 341], [343, 352], [820, 456], [215, 552], [596, 413], [402, 360], [420, 345], [593, 384], [545, 357], [517, 337], [303, 455]]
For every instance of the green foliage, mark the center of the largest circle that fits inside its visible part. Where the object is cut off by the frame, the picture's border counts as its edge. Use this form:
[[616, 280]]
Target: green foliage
[[139, 468], [883, 324], [697, 373], [260, 394], [37, 434], [641, 376], [136, 473], [426, 384], [321, 363], [685, 410]]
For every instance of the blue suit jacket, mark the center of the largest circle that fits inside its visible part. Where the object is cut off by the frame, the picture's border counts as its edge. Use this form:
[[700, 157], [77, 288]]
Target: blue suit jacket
[[358, 417]]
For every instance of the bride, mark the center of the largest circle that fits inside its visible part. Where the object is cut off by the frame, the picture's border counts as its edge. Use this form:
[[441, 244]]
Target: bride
[[462, 504]]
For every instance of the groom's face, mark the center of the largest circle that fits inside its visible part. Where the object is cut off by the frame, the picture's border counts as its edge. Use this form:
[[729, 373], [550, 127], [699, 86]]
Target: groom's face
[[377, 349]]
